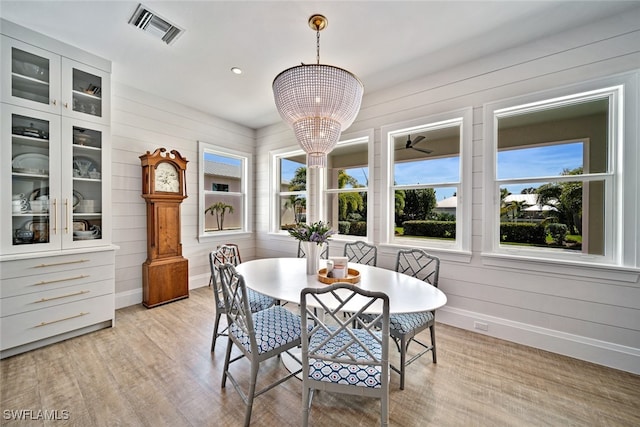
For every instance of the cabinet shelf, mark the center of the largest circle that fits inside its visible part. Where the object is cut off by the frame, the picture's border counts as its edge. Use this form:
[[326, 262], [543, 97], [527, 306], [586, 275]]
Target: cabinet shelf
[[87, 95], [28, 80]]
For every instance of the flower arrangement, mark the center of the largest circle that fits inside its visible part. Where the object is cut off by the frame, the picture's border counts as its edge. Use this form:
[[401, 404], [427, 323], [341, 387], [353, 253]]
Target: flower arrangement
[[318, 232]]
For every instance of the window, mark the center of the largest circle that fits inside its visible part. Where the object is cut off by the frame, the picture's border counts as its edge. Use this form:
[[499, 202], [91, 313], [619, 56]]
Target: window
[[224, 191], [429, 176], [290, 189], [554, 177], [347, 196]]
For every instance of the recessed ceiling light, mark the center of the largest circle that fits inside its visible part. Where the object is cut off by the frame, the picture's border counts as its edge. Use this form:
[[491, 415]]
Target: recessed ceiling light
[[236, 70]]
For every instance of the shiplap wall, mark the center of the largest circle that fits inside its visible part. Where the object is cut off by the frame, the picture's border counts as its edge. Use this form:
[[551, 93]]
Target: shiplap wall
[[593, 316], [142, 122]]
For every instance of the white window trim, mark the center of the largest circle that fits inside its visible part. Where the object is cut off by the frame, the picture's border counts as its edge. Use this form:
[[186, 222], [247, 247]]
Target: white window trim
[[622, 230], [275, 193], [247, 190], [358, 138], [462, 245]]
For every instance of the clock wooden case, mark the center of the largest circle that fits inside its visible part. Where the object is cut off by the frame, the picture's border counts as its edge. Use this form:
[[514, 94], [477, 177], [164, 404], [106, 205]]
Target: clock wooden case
[[165, 273]]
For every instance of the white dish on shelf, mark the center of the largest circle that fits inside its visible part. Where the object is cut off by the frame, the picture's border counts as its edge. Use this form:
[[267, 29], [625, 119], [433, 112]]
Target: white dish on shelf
[[31, 162], [76, 237]]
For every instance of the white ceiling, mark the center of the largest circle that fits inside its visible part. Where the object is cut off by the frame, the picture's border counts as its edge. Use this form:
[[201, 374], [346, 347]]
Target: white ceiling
[[382, 42]]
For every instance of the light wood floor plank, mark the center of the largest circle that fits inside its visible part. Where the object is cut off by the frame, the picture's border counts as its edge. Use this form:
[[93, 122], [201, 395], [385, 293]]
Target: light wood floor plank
[[155, 368]]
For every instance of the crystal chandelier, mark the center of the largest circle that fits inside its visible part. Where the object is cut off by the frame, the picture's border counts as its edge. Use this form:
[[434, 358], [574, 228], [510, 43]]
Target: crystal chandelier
[[318, 101]]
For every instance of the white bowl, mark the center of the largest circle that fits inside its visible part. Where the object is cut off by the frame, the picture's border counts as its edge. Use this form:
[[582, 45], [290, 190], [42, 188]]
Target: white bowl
[[81, 233]]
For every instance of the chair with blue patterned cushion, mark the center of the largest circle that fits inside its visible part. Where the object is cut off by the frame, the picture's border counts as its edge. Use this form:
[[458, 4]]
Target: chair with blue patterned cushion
[[338, 357], [324, 254], [404, 327], [361, 252], [229, 254], [258, 335]]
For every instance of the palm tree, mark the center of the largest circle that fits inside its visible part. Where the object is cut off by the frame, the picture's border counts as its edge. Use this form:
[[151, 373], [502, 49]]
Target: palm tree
[[348, 202], [219, 209], [568, 198]]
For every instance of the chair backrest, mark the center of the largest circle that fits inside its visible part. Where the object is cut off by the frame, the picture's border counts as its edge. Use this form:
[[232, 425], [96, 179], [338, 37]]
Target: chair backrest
[[333, 338], [234, 294], [224, 254], [236, 258], [324, 254], [361, 252], [417, 263]]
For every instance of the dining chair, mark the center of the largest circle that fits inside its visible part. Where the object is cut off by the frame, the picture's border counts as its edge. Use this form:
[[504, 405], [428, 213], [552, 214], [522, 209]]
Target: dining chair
[[324, 254], [338, 357], [258, 335], [361, 252], [404, 327], [257, 301]]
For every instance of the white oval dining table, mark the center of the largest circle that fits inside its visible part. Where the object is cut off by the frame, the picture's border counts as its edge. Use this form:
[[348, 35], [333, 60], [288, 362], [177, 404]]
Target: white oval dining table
[[284, 278]]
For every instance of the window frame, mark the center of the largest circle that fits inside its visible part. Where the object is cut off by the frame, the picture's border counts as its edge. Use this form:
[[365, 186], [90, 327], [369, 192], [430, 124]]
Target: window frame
[[246, 193], [621, 232], [363, 137], [274, 200], [462, 244]]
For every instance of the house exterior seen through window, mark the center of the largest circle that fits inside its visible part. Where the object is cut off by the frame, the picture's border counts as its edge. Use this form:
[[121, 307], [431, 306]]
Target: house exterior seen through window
[[429, 182], [224, 188], [556, 177]]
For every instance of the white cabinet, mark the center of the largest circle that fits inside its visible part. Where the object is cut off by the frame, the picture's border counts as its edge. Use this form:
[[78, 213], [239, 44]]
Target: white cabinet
[[39, 79], [45, 298], [57, 264], [57, 172]]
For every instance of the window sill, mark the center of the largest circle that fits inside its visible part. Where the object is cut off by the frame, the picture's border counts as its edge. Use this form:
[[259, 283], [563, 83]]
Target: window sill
[[582, 269], [218, 235], [453, 255]]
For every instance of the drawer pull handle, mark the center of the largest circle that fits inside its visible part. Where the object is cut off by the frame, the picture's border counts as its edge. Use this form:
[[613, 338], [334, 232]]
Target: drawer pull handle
[[62, 263], [61, 320], [43, 282], [62, 296]]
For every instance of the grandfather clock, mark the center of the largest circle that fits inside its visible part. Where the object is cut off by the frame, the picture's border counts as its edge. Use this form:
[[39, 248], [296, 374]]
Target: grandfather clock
[[165, 273]]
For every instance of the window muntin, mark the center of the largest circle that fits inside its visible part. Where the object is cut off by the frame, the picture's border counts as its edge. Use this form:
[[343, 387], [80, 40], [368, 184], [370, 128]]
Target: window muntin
[[560, 154], [426, 184], [347, 193], [224, 190]]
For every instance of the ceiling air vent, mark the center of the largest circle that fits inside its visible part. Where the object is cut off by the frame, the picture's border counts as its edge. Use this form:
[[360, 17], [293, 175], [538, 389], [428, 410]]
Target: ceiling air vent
[[149, 21]]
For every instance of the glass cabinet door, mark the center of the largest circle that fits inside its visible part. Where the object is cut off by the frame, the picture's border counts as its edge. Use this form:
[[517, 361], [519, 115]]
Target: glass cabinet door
[[31, 76], [84, 164], [87, 89], [30, 163]]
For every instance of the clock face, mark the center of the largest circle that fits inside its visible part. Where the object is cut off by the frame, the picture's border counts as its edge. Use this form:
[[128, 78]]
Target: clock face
[[167, 178]]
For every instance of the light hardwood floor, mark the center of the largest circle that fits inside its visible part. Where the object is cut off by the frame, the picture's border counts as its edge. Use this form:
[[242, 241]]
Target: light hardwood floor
[[155, 369]]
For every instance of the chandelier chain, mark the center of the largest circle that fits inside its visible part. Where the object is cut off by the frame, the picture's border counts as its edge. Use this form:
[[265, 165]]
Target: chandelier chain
[[318, 47]]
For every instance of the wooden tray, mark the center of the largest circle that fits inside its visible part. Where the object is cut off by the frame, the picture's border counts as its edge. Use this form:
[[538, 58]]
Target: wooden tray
[[353, 276]]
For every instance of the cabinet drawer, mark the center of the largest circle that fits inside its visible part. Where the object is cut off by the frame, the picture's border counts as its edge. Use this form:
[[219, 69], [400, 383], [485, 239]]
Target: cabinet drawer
[[37, 301], [36, 325], [46, 282], [53, 264]]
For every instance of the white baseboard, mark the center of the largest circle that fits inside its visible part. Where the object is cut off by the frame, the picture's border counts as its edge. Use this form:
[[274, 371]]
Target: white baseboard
[[127, 298], [579, 347], [133, 297]]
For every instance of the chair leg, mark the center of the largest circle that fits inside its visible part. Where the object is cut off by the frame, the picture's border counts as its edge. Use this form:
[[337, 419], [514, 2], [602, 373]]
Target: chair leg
[[306, 406], [216, 325], [432, 329], [404, 345], [226, 363], [384, 411], [251, 393]]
